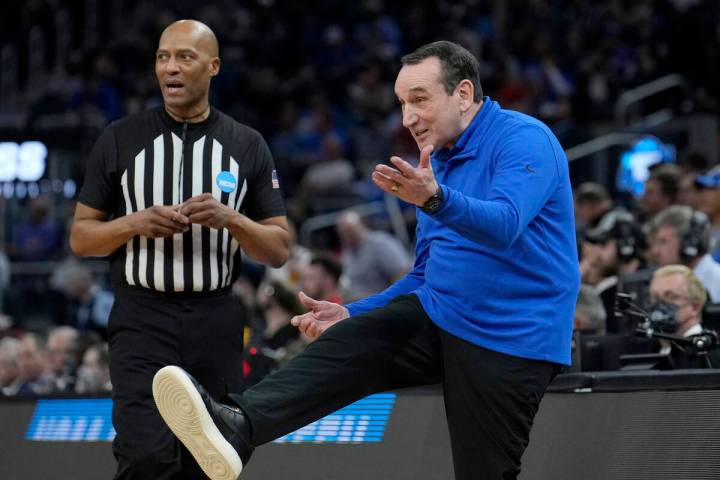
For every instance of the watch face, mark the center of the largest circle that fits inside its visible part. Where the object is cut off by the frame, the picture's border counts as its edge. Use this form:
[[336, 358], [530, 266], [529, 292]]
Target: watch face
[[432, 205]]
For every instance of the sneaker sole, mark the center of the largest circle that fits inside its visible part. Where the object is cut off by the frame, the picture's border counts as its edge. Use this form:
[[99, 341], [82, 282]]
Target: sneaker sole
[[185, 413]]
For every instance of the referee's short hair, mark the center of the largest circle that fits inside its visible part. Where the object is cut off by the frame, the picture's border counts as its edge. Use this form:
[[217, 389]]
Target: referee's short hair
[[456, 62]]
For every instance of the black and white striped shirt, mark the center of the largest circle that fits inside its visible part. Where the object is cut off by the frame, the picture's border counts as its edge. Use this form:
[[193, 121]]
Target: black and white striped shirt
[[139, 162]]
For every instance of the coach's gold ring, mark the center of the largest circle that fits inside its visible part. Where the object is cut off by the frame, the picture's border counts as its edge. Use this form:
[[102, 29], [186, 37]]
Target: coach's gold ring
[[395, 187]]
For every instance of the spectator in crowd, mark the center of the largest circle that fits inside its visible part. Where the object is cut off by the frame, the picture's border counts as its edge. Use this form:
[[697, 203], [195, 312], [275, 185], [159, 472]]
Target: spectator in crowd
[[681, 235], [9, 372], [63, 344], [689, 192], [592, 201], [369, 95], [590, 313], [285, 145], [332, 175], [661, 189], [94, 372], [372, 260], [33, 377], [683, 295], [321, 279], [290, 273], [563, 59], [611, 251], [709, 202], [97, 97], [91, 304], [693, 164], [678, 287], [268, 347], [36, 238]]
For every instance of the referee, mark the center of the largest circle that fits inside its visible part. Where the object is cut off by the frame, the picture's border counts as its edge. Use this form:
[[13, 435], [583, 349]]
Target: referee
[[172, 196]]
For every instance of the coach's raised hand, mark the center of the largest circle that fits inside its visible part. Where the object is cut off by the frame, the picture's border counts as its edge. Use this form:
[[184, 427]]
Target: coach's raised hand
[[411, 184], [322, 315]]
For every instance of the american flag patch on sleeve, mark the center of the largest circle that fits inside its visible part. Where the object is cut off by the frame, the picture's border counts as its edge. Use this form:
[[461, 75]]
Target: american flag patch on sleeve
[[275, 181]]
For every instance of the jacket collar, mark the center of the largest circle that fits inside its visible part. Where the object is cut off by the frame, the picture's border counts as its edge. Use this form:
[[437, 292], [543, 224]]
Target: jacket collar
[[470, 138]]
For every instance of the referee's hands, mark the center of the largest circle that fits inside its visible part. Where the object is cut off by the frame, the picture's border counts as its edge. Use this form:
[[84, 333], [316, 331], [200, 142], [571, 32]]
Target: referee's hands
[[206, 210], [159, 221], [322, 315]]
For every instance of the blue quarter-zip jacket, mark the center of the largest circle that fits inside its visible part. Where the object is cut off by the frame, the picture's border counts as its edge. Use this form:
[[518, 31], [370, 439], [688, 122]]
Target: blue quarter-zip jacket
[[497, 265]]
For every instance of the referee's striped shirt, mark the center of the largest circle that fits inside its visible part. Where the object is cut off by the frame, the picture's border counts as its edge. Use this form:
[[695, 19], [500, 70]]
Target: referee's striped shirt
[[142, 161]]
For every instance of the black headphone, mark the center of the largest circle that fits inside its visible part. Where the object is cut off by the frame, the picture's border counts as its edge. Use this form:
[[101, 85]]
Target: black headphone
[[619, 224], [693, 243], [626, 239]]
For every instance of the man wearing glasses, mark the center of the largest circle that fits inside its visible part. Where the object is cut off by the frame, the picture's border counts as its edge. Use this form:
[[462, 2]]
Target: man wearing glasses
[[675, 290], [678, 288]]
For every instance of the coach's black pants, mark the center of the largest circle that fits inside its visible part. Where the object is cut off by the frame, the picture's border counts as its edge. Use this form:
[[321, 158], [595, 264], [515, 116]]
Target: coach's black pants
[[490, 398], [147, 332]]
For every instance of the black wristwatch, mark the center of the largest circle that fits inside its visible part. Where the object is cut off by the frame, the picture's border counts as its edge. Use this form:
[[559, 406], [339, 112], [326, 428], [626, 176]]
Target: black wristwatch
[[434, 203]]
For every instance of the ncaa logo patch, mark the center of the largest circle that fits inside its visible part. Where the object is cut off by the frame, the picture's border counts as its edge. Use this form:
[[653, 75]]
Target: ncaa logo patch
[[226, 182]]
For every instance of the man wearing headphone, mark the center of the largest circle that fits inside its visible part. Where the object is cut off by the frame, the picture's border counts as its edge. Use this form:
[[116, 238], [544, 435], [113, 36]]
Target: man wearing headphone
[[611, 252], [681, 235]]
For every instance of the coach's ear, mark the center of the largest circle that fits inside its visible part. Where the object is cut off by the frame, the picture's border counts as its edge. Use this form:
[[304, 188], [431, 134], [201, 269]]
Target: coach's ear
[[466, 93]]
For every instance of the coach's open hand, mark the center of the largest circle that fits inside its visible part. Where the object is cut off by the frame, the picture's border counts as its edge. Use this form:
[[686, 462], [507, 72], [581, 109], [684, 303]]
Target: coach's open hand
[[322, 315], [205, 210], [413, 185]]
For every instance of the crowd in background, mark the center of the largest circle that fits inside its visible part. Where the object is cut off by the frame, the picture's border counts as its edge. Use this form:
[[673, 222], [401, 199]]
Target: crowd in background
[[318, 84], [676, 222]]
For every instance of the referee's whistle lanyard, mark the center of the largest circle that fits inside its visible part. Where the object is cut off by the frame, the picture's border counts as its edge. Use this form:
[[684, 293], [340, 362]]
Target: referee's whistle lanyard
[[182, 157], [182, 150]]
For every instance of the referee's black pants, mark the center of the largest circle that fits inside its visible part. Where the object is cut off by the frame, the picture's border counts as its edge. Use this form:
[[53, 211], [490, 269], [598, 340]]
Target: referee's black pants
[[490, 398], [148, 331]]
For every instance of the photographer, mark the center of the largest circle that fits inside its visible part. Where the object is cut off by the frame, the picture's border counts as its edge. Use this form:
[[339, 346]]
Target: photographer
[[677, 297]]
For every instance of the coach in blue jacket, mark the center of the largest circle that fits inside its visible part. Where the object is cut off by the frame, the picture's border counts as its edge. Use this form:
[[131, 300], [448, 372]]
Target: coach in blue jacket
[[487, 309]]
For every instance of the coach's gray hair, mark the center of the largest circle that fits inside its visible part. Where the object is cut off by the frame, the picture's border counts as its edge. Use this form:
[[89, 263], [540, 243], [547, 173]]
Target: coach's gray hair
[[457, 64]]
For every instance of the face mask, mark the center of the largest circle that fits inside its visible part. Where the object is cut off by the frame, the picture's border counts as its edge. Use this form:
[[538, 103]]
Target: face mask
[[661, 317]]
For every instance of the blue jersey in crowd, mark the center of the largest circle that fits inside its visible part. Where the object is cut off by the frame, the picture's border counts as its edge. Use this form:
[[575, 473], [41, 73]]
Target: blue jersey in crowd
[[497, 265]]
